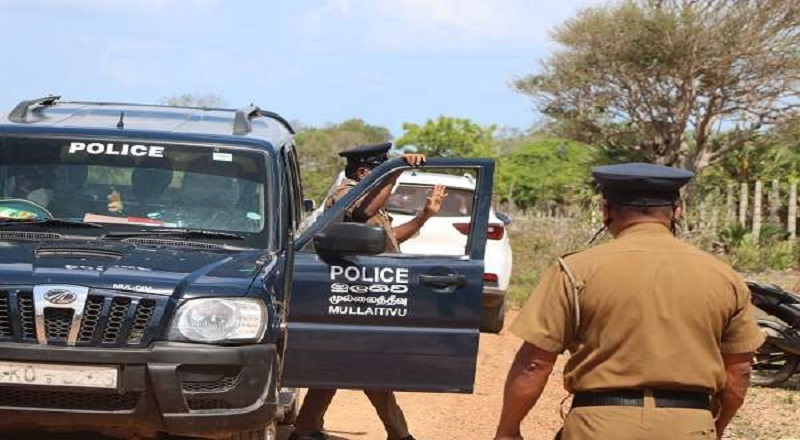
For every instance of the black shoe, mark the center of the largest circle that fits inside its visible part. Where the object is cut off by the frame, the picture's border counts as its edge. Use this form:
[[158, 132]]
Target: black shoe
[[313, 436]]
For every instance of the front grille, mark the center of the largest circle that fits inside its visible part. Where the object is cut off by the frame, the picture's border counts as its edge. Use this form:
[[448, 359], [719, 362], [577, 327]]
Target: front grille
[[27, 315], [108, 319], [117, 316], [141, 320], [57, 324], [5, 318], [221, 385], [196, 403], [118, 320], [91, 319], [25, 398]]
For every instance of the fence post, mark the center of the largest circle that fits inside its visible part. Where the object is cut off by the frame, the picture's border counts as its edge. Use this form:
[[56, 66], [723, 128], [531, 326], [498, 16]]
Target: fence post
[[757, 211], [730, 212], [701, 224], [792, 220], [743, 205], [712, 202], [775, 203]]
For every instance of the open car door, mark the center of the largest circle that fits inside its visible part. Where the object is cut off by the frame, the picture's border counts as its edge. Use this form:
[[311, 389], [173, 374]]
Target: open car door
[[382, 320]]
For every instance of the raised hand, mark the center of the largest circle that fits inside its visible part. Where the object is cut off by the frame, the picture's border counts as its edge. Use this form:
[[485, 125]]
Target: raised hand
[[434, 202]]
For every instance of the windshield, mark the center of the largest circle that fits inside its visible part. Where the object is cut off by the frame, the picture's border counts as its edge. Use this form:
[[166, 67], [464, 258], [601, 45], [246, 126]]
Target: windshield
[[121, 183]]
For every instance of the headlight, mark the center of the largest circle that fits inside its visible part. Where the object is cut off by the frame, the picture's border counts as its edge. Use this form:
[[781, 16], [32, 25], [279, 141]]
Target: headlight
[[220, 320]]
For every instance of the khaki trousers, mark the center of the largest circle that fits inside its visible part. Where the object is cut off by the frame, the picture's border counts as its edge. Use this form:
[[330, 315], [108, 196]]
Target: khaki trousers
[[316, 402], [638, 423]]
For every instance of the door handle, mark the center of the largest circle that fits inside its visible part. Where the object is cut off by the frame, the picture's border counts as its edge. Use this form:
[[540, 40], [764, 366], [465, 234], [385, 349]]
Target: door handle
[[443, 281]]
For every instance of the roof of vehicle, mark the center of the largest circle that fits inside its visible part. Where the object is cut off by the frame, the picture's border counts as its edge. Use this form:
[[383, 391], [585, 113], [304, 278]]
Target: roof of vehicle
[[52, 112], [450, 180]]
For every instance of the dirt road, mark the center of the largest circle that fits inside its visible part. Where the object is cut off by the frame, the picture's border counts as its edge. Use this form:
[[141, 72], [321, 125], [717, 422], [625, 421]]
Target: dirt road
[[445, 416], [436, 416], [768, 413]]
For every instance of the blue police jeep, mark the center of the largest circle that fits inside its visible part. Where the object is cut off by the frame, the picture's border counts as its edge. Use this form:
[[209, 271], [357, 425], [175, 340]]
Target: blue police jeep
[[157, 277]]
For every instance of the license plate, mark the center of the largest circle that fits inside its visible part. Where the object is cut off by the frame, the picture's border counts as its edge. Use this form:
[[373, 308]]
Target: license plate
[[84, 376]]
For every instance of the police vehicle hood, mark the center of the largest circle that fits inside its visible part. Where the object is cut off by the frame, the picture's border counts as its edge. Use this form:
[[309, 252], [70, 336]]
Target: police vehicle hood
[[180, 272]]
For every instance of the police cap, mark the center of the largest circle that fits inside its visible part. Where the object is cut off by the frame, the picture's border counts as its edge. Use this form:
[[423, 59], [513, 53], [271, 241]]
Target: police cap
[[374, 154], [641, 184]]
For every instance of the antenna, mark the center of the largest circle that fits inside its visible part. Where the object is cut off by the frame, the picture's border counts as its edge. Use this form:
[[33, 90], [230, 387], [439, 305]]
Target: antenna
[[121, 123]]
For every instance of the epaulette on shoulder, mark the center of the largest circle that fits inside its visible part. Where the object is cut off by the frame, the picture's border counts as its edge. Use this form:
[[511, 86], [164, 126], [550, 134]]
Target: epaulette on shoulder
[[569, 254], [577, 287]]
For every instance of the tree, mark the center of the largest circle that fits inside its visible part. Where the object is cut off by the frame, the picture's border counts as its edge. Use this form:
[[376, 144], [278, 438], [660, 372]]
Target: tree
[[449, 137], [771, 155], [542, 169], [208, 100], [318, 149], [663, 77]]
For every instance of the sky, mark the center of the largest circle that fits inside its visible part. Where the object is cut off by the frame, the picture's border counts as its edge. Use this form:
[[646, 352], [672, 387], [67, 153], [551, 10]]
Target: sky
[[318, 62]]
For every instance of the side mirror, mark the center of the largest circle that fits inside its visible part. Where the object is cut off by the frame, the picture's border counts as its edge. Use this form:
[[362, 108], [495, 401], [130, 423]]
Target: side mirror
[[309, 205], [503, 218], [351, 239]]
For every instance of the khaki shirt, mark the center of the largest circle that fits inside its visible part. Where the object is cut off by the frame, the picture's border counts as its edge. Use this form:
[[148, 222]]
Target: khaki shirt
[[382, 218], [655, 313]]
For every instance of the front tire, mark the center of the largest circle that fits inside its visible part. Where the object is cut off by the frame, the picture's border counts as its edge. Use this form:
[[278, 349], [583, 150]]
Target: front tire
[[493, 318]]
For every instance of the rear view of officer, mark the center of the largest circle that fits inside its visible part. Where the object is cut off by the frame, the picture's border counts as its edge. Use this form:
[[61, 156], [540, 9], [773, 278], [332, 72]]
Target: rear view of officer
[[660, 333]]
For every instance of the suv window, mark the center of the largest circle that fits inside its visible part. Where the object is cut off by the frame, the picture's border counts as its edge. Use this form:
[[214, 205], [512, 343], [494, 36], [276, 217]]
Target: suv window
[[162, 185]]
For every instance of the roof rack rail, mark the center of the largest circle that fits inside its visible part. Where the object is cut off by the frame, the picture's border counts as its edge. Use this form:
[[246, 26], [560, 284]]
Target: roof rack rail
[[20, 112], [242, 119], [280, 119]]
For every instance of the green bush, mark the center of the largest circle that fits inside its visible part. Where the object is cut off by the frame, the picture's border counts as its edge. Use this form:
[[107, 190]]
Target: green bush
[[537, 243]]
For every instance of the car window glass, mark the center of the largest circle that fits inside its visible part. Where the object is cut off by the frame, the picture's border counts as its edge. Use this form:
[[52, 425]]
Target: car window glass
[[408, 198], [447, 233]]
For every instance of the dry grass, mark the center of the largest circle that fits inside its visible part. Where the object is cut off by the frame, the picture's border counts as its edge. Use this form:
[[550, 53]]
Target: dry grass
[[537, 242]]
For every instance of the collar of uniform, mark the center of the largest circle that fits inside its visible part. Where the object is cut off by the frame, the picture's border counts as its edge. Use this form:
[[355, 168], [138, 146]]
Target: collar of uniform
[[645, 228]]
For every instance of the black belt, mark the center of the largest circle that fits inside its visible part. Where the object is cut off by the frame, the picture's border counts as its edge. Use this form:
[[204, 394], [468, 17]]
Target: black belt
[[663, 399]]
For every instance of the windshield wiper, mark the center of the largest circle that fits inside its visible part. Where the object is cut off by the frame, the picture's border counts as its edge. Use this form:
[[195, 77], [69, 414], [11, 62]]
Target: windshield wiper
[[180, 233], [51, 222]]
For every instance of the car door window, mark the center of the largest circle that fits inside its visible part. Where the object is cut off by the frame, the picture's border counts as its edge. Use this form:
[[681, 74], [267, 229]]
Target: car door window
[[448, 232]]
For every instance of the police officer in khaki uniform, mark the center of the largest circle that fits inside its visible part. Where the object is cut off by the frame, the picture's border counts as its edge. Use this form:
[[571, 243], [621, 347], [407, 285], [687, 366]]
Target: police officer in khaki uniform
[[369, 209], [660, 333]]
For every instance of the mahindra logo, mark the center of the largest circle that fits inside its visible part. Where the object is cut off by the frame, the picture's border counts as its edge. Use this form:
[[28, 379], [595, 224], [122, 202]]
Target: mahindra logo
[[60, 297]]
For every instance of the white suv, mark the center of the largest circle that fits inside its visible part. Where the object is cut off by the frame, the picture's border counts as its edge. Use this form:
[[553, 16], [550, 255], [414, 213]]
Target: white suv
[[446, 234]]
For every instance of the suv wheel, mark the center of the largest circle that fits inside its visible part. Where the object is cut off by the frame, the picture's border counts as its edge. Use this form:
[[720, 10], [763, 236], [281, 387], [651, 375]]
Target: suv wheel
[[493, 318]]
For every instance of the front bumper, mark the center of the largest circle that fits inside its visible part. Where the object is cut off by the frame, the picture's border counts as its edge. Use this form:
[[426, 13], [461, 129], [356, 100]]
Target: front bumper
[[175, 388]]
